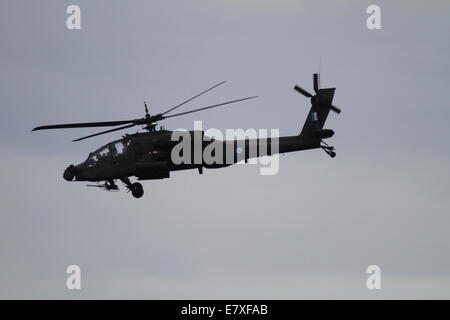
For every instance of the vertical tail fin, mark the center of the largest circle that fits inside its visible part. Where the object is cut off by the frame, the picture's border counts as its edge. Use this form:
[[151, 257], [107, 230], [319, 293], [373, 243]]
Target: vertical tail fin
[[321, 104], [318, 113]]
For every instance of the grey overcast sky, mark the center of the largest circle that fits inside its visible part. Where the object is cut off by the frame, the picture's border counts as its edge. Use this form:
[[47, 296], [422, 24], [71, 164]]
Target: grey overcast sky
[[308, 232]]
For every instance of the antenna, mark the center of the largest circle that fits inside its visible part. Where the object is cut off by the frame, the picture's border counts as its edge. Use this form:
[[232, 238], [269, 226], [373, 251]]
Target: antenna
[[146, 109], [320, 64]]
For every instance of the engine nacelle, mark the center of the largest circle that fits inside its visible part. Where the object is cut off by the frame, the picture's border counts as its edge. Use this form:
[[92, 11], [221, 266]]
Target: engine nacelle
[[163, 142]]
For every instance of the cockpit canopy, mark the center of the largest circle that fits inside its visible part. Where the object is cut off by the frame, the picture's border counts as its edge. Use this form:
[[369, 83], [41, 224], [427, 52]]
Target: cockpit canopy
[[106, 153]]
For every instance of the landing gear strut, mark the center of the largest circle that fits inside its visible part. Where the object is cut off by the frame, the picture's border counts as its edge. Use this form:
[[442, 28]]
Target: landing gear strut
[[328, 149], [136, 188], [109, 185]]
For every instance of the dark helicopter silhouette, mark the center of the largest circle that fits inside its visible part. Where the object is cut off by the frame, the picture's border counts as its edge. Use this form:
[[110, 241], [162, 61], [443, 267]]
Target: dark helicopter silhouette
[[147, 155]]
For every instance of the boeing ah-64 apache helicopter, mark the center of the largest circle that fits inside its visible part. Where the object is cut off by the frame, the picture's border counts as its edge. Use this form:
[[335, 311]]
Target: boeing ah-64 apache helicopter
[[147, 155]]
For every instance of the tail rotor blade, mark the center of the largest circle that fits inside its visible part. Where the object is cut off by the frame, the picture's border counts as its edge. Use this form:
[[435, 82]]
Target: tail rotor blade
[[316, 82], [303, 91], [335, 109]]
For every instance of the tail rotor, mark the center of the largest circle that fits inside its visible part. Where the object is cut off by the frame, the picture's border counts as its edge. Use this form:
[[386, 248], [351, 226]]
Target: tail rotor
[[318, 97], [321, 104]]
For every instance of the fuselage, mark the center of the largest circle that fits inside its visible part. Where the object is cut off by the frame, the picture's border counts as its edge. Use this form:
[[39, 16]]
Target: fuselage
[[153, 155]]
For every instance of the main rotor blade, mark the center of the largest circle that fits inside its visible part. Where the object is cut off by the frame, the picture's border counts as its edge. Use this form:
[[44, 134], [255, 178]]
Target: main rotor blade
[[316, 82], [303, 92], [335, 109], [103, 132], [84, 125], [196, 96], [213, 106]]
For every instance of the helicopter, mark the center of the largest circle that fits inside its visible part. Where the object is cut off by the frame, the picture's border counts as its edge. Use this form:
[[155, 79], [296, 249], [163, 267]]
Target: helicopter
[[147, 155]]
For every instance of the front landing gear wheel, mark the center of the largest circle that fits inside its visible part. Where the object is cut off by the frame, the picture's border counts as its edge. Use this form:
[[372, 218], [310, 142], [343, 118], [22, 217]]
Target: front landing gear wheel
[[137, 190]]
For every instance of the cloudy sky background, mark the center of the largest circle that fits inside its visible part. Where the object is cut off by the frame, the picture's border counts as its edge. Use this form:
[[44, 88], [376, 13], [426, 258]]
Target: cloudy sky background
[[308, 232]]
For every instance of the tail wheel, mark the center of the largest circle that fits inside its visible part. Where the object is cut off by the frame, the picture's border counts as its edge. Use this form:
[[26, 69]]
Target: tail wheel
[[137, 190]]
